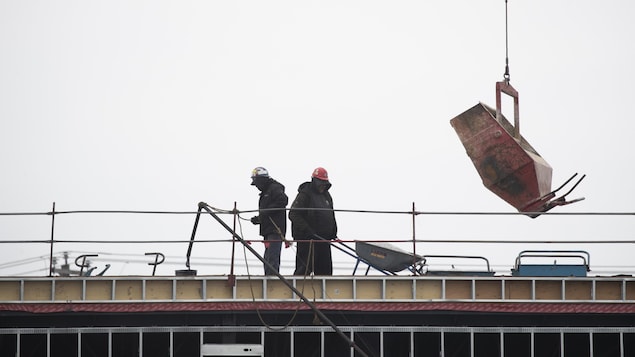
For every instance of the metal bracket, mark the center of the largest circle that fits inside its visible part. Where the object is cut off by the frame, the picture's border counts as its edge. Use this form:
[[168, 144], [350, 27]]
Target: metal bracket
[[505, 87]]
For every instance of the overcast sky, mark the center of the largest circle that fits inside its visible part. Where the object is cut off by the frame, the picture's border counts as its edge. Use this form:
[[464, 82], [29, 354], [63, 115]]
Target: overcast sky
[[158, 105]]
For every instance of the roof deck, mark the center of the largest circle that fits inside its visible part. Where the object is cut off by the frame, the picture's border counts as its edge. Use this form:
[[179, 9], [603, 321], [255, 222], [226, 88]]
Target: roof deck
[[321, 289]]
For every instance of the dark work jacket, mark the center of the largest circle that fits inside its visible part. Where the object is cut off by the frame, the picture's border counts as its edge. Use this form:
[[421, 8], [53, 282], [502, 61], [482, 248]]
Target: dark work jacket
[[272, 197], [305, 223]]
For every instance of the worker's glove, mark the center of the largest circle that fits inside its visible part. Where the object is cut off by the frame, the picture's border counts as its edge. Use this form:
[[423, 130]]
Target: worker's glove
[[287, 243], [255, 220], [266, 243]]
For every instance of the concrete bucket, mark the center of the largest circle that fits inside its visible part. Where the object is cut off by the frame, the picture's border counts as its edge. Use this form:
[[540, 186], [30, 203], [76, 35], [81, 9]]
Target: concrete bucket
[[508, 165]]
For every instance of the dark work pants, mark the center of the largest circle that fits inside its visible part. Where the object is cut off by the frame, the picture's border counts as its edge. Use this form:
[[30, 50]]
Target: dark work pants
[[272, 254], [316, 259]]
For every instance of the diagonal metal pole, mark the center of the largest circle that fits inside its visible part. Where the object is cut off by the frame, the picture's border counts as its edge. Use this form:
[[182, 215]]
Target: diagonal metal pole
[[189, 247], [320, 314]]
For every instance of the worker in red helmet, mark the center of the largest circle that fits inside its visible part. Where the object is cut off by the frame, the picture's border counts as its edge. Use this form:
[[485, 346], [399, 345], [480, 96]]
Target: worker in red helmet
[[313, 225], [271, 217]]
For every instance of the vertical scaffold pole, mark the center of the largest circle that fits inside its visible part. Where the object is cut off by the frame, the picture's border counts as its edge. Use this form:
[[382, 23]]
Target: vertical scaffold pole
[[414, 237], [51, 265], [231, 279]]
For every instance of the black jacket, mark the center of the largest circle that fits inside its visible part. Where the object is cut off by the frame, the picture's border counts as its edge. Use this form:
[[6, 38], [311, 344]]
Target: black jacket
[[273, 197], [305, 223]]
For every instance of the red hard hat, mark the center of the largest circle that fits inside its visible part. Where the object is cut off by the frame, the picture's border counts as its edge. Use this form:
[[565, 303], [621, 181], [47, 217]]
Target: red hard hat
[[320, 174]]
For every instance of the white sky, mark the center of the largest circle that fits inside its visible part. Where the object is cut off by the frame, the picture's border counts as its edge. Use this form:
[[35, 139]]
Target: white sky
[[157, 105]]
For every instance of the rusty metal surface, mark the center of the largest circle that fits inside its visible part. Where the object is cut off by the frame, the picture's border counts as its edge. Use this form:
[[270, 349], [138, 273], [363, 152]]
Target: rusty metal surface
[[510, 168]]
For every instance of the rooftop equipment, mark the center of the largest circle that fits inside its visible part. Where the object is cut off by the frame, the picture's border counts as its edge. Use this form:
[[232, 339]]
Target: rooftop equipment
[[458, 272], [556, 269]]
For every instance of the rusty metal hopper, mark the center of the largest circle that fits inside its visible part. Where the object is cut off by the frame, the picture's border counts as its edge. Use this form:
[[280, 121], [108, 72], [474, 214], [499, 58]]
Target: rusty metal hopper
[[508, 165]]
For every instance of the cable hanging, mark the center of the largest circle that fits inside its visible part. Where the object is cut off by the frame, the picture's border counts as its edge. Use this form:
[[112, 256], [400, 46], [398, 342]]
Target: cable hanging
[[506, 75]]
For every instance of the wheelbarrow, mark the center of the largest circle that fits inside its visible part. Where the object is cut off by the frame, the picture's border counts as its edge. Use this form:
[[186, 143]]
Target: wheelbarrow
[[508, 165], [387, 258], [354, 253]]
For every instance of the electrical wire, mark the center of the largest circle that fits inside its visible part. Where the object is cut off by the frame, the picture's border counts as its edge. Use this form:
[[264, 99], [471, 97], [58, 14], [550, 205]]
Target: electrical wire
[[253, 295], [415, 212], [12, 264]]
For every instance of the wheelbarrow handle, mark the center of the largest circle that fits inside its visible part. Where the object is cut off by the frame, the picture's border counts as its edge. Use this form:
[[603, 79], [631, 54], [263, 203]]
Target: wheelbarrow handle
[[351, 253]]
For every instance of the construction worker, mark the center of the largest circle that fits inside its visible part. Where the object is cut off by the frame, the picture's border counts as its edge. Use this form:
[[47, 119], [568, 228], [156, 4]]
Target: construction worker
[[271, 216], [313, 225]]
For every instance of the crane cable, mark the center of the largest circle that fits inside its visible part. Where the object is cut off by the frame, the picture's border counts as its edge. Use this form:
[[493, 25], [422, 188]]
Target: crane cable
[[506, 75]]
